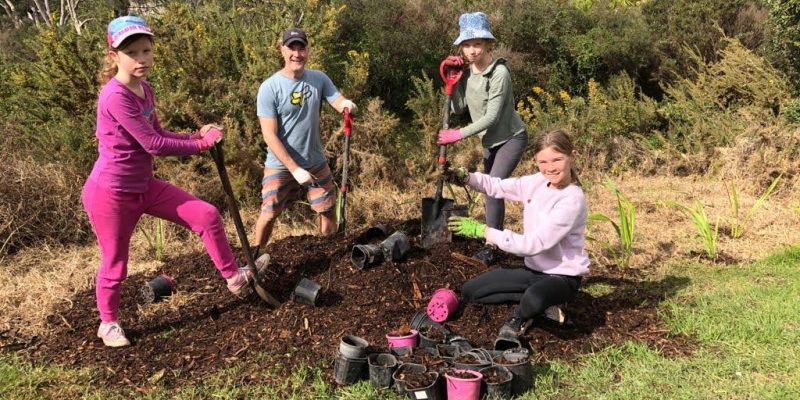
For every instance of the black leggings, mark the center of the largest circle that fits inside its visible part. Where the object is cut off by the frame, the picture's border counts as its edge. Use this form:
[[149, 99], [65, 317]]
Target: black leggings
[[535, 291]]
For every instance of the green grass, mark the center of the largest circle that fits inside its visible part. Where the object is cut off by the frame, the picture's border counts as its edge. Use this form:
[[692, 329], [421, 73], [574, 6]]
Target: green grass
[[744, 319]]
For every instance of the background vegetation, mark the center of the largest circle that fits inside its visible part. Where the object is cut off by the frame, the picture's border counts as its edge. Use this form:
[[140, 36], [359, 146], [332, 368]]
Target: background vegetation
[[662, 85]]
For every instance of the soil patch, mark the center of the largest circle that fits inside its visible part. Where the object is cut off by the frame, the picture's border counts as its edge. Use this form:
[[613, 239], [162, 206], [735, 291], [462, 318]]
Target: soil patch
[[216, 330]]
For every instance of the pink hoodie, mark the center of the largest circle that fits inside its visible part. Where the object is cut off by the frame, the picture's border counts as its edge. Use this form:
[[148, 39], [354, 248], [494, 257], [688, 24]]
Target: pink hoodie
[[554, 222], [129, 135]]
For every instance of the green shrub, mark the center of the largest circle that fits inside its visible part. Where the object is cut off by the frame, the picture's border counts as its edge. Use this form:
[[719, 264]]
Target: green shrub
[[715, 101], [790, 110], [783, 38]]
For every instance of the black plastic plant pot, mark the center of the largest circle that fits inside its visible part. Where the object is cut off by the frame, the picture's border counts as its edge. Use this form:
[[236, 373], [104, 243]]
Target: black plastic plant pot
[[401, 351], [395, 246], [402, 371], [432, 391], [377, 231], [473, 360], [366, 255], [447, 351], [431, 336], [158, 288], [522, 373], [353, 346], [459, 341], [421, 320], [498, 382], [381, 368], [507, 342], [307, 292], [347, 371]]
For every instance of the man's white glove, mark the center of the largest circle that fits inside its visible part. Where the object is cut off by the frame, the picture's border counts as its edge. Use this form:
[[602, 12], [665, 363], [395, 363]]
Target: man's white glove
[[302, 176], [349, 104]]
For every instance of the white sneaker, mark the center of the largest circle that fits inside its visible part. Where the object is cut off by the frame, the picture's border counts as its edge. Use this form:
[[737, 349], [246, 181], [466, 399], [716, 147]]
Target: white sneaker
[[112, 335], [555, 313]]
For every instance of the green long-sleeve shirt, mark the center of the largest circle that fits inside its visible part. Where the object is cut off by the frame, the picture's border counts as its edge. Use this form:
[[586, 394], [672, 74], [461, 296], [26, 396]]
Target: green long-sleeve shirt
[[490, 100]]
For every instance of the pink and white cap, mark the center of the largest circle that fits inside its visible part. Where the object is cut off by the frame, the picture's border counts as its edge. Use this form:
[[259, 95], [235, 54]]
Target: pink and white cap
[[123, 27]]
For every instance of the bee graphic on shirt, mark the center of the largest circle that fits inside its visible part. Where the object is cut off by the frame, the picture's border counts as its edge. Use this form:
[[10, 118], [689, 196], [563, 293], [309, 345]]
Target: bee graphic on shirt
[[298, 96]]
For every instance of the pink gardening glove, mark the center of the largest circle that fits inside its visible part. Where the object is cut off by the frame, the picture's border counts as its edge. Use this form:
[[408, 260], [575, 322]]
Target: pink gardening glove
[[210, 138], [454, 61], [447, 136]]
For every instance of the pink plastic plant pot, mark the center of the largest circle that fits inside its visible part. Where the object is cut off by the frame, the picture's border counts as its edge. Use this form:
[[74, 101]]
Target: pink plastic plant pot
[[463, 389], [403, 341], [443, 304]]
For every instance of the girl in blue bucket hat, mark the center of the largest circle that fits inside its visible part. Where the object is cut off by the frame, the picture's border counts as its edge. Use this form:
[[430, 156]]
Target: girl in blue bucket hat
[[485, 90]]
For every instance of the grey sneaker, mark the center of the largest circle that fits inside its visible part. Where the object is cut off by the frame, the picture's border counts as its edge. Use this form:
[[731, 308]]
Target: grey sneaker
[[112, 335], [511, 328], [239, 283], [555, 313]]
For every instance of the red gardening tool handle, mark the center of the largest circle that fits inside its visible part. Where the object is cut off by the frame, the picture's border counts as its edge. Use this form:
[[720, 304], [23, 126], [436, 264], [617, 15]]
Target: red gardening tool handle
[[450, 76], [348, 123]]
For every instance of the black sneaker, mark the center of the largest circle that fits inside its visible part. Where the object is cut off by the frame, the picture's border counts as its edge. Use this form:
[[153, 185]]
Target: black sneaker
[[512, 327], [487, 255]]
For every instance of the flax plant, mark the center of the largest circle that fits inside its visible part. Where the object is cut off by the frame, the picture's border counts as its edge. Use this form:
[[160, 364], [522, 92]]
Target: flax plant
[[700, 220], [625, 228], [739, 222], [156, 241]]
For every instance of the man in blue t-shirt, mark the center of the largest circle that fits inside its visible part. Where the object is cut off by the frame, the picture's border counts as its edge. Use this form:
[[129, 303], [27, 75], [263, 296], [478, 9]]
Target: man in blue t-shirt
[[289, 104]]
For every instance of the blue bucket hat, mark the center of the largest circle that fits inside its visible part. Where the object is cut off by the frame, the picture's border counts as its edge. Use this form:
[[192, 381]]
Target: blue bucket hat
[[473, 26]]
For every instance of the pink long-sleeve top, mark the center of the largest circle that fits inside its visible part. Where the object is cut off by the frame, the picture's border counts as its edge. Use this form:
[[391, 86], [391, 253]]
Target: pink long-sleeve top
[[554, 221], [129, 135]]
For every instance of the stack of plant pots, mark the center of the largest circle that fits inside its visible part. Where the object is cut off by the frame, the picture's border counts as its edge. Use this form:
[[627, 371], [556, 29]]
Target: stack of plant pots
[[351, 360]]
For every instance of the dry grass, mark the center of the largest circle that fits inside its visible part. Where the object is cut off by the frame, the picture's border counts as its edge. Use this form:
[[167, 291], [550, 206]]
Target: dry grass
[[35, 280]]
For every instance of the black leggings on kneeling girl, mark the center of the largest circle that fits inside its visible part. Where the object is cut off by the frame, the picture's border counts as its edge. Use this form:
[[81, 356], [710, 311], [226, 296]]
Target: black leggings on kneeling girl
[[533, 290]]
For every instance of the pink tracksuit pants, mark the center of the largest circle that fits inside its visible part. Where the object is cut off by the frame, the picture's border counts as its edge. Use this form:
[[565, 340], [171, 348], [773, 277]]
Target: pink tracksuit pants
[[114, 215]]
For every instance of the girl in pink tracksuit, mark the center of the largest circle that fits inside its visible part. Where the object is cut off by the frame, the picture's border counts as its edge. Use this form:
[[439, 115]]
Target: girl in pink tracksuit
[[554, 221], [121, 186]]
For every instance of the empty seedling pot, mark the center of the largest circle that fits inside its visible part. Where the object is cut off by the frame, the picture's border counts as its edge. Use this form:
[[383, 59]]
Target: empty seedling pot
[[306, 292], [395, 246], [422, 320], [158, 288], [459, 341], [447, 351], [473, 360], [347, 371], [443, 304], [497, 379], [463, 384], [381, 368], [377, 231], [507, 342], [409, 340], [366, 255], [353, 346]]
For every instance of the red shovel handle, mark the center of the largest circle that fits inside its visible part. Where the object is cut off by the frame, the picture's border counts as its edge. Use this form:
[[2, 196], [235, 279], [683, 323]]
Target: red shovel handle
[[450, 76], [348, 122]]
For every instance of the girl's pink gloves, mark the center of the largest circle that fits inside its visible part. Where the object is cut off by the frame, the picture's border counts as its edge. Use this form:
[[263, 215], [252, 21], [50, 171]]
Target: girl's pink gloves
[[210, 138], [447, 136]]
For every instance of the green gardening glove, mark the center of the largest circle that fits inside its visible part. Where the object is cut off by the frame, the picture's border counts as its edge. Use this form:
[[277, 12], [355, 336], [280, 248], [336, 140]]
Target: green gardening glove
[[466, 226]]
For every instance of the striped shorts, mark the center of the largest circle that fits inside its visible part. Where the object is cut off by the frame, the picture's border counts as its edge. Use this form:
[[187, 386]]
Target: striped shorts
[[279, 189]]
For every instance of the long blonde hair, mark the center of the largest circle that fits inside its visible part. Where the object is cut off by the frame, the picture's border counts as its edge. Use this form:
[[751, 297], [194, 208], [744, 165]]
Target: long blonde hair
[[108, 68], [487, 43], [560, 141]]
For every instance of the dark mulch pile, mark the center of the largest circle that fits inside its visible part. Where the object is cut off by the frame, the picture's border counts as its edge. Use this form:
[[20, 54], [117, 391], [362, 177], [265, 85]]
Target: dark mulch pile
[[190, 342]]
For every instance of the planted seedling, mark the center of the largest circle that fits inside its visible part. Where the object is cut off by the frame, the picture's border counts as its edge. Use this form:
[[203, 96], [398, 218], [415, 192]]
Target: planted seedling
[[738, 222], [700, 220], [625, 228]]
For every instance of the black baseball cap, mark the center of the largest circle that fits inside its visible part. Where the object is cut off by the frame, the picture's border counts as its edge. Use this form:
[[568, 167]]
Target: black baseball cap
[[292, 35]]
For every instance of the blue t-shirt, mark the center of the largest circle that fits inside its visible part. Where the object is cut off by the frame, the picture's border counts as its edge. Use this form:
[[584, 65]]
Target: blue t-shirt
[[296, 104]]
